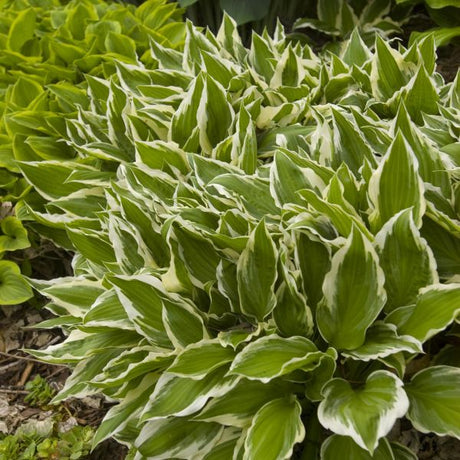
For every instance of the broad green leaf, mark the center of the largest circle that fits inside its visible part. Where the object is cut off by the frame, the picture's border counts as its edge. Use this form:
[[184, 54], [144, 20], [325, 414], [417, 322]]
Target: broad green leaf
[[272, 356], [14, 235], [252, 192], [353, 294], [185, 396], [396, 185], [318, 377], [406, 260], [243, 12], [434, 395], [445, 246], [81, 344], [341, 410], [337, 447], [122, 45], [179, 437], [274, 431], [257, 273], [442, 35], [226, 445], [13, 287], [245, 142], [22, 29], [86, 369], [131, 364], [198, 360], [437, 306]]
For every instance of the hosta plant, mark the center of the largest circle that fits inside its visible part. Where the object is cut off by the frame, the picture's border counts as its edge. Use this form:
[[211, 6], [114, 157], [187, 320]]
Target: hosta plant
[[267, 249], [46, 48]]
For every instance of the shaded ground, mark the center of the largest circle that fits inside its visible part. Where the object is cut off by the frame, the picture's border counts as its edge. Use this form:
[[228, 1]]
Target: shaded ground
[[17, 369]]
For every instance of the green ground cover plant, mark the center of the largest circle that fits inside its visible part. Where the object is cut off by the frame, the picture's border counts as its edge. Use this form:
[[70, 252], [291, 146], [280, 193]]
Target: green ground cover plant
[[266, 241]]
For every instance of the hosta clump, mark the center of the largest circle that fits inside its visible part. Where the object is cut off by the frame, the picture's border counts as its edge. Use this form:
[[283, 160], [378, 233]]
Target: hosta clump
[[265, 241], [46, 48]]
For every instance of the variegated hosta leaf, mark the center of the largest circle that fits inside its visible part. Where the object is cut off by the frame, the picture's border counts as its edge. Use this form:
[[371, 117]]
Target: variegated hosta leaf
[[396, 185], [337, 447], [406, 260], [383, 398], [387, 75], [382, 340], [273, 356], [257, 273], [177, 437], [275, 429], [178, 396], [119, 416], [199, 359], [353, 294], [434, 395], [437, 306], [238, 406]]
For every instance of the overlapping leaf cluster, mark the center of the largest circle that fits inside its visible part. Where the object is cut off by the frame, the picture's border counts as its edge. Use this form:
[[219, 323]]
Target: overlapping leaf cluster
[[46, 49], [265, 239], [52, 45]]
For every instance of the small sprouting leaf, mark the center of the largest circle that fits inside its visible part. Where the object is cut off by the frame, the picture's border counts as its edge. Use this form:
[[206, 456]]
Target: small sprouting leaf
[[353, 294], [14, 235], [434, 395], [275, 429], [13, 287], [341, 410]]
